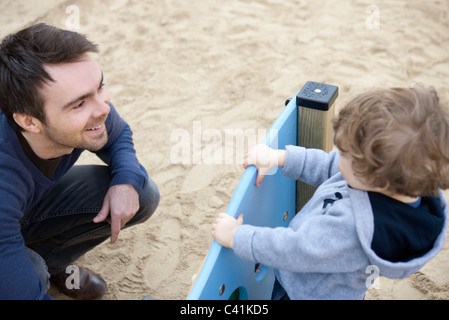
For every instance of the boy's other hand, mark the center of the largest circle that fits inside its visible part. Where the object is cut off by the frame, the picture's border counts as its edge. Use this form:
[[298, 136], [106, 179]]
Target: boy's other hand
[[224, 228]]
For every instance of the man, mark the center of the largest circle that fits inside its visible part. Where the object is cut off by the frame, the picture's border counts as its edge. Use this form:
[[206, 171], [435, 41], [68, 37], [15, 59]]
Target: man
[[54, 106]]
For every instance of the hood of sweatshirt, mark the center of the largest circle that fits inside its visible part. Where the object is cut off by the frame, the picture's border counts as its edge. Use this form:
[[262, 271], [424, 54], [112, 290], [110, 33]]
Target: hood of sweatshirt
[[365, 230]]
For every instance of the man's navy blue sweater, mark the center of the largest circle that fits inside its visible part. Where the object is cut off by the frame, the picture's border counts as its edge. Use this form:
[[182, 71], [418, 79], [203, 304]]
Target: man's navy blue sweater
[[22, 185]]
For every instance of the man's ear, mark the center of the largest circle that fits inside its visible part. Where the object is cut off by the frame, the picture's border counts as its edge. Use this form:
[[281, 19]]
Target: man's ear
[[27, 122]]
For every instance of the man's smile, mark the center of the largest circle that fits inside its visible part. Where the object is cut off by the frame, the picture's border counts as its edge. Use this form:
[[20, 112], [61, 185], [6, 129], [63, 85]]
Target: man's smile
[[95, 128]]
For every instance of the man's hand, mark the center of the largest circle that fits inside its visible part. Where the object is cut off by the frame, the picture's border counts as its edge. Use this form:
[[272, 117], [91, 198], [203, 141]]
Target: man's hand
[[119, 206], [224, 228]]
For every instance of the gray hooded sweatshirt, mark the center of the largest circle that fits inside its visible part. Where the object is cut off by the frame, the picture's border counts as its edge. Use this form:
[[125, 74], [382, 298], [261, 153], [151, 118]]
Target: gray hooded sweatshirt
[[326, 253]]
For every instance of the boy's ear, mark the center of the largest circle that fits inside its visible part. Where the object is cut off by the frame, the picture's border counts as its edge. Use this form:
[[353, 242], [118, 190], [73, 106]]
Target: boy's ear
[[27, 122]]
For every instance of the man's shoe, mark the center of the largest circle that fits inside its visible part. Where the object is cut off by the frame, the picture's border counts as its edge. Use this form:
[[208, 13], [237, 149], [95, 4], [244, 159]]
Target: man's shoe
[[80, 284]]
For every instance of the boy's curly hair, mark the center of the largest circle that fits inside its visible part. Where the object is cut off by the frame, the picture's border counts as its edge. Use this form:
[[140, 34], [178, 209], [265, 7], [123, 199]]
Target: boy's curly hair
[[398, 139]]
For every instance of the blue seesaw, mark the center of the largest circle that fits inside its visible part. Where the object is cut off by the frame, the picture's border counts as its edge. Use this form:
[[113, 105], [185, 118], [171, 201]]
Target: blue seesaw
[[223, 275]]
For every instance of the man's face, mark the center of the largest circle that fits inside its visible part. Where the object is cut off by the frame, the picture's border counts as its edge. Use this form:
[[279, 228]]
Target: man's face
[[76, 106]]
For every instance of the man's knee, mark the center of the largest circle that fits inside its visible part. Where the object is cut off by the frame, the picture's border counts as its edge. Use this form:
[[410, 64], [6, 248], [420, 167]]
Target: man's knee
[[148, 200]]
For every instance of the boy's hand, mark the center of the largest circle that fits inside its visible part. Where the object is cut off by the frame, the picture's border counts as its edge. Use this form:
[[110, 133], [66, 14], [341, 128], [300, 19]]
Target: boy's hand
[[224, 228], [264, 158]]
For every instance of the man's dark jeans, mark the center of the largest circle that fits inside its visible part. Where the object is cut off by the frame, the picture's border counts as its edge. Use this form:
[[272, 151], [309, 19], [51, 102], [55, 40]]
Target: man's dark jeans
[[60, 228]]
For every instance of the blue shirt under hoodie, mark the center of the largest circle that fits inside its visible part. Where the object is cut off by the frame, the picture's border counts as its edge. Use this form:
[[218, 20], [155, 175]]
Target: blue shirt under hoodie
[[342, 235], [22, 185]]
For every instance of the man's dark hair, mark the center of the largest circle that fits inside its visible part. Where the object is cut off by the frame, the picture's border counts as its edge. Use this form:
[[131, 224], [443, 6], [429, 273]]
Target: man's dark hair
[[22, 59]]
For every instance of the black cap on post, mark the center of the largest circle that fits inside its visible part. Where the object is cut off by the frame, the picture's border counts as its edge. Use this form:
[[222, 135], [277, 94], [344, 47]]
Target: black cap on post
[[315, 95]]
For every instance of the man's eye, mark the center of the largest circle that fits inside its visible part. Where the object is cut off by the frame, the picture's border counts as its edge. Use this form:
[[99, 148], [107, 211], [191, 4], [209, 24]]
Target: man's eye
[[79, 105]]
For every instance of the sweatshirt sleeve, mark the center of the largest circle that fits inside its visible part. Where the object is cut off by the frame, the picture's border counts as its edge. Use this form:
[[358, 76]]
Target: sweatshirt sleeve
[[313, 166], [320, 243], [120, 155]]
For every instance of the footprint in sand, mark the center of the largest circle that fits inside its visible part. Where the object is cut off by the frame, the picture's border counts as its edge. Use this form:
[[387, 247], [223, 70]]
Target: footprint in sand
[[164, 258]]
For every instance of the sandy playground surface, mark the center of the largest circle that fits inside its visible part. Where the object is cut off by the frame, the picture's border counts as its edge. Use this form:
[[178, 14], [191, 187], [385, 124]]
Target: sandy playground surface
[[216, 65]]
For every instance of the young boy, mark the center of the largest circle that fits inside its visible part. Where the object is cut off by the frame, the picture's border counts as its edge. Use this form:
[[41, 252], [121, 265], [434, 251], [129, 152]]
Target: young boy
[[378, 209]]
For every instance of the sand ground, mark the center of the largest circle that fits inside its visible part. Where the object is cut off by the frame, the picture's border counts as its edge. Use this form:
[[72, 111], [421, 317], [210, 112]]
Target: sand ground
[[210, 66]]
